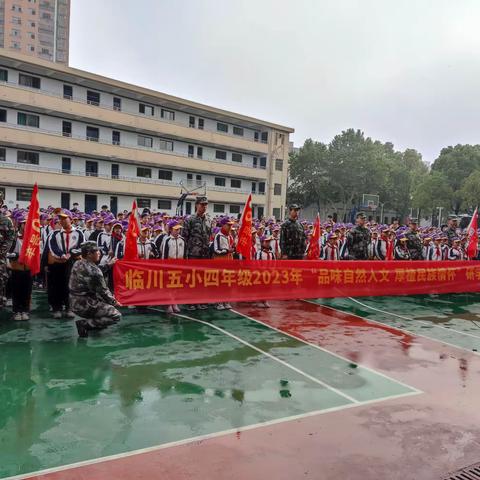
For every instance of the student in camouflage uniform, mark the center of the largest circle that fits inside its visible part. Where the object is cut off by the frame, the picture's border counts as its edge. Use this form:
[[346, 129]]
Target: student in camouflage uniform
[[358, 240], [414, 242], [197, 231], [293, 241], [7, 236], [451, 231], [90, 297]]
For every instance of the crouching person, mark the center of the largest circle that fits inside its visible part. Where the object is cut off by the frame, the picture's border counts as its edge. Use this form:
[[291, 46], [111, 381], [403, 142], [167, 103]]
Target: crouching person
[[90, 297]]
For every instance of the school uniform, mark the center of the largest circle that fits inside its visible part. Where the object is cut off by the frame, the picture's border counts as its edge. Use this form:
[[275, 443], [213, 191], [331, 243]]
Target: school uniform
[[173, 247], [21, 280], [330, 252], [435, 253]]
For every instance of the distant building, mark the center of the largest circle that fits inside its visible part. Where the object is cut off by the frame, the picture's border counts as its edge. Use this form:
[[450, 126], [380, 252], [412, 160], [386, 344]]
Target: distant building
[[93, 140], [36, 27]]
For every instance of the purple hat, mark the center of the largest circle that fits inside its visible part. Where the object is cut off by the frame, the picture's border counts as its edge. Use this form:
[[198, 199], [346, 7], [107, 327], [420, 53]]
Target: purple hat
[[225, 221], [65, 213], [173, 224]]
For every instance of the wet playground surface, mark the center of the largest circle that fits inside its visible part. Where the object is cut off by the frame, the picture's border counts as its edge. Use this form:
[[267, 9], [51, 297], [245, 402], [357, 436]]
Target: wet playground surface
[[367, 373]]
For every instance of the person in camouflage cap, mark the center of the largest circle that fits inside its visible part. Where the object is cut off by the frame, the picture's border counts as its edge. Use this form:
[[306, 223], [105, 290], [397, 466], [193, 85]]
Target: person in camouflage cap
[[197, 231], [293, 240], [7, 237], [358, 240], [414, 242], [90, 297]]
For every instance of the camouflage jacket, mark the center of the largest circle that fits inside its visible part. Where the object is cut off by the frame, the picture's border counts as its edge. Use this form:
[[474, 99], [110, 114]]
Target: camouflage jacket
[[414, 245], [358, 240], [451, 234], [292, 239], [87, 280], [7, 236], [196, 232]]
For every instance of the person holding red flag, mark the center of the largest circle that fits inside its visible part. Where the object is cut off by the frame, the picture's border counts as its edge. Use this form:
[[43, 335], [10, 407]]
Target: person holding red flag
[[245, 240], [133, 232], [314, 251], [472, 235]]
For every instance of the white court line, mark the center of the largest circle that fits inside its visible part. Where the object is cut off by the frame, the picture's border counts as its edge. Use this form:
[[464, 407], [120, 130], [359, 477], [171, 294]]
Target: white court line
[[412, 319], [408, 332], [201, 438], [318, 347], [272, 357]]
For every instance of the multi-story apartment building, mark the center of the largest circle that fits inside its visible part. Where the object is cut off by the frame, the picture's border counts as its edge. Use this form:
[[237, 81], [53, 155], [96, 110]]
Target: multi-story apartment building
[[93, 140], [36, 27]]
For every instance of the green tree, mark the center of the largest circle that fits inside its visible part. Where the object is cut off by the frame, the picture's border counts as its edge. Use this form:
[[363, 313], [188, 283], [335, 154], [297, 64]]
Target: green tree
[[470, 191], [433, 191]]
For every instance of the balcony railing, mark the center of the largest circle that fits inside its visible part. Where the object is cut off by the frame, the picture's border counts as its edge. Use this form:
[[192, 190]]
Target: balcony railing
[[84, 101], [117, 144], [152, 181]]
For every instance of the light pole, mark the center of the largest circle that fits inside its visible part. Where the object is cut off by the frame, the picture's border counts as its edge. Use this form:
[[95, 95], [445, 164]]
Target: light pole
[[381, 213], [439, 216]]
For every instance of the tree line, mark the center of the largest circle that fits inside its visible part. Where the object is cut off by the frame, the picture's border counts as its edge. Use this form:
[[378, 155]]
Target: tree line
[[337, 174]]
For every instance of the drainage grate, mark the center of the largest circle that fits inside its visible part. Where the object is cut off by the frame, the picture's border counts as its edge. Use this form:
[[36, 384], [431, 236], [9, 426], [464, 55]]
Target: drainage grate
[[468, 473]]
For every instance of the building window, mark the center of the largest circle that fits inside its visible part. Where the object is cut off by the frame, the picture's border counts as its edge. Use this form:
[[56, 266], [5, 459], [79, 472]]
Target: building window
[[276, 213], [198, 180], [31, 158], [191, 150], [31, 48], [201, 123], [115, 137], [3, 157], [236, 157], [24, 194], [115, 170], [219, 182], [220, 155], [3, 115], [144, 203], [263, 162], [28, 120], [90, 203], [261, 187], [65, 200], [234, 183], [256, 136], [277, 189], [143, 141], [222, 127], [66, 129], [91, 168], [191, 122], [279, 164], [264, 137], [238, 131], [166, 145], [164, 205], [93, 134], [93, 98], [165, 175], [117, 104], [146, 109], [199, 152], [3, 75], [143, 172], [254, 187], [66, 164], [235, 209], [255, 162], [68, 92], [16, 20], [218, 208], [167, 114]]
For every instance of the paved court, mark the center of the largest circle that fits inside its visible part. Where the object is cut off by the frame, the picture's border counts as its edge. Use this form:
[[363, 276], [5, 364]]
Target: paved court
[[344, 388]]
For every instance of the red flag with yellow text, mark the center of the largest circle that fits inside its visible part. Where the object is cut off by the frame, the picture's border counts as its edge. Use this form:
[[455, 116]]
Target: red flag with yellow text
[[131, 250], [313, 252], [244, 245], [472, 232], [30, 252]]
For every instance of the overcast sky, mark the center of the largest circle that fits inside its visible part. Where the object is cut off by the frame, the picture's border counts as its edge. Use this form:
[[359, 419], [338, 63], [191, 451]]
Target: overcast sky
[[403, 71]]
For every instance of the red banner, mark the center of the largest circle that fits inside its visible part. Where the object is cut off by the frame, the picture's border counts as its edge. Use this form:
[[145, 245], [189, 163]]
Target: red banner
[[164, 282]]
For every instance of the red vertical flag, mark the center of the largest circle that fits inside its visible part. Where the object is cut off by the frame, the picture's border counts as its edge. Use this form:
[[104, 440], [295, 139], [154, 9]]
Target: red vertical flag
[[313, 252], [472, 232], [131, 250], [30, 252], [244, 245]]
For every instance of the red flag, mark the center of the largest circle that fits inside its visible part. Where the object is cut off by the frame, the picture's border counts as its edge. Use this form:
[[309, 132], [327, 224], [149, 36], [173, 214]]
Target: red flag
[[313, 252], [30, 253], [131, 250], [244, 245], [472, 232]]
